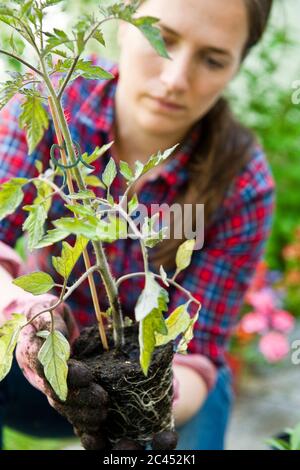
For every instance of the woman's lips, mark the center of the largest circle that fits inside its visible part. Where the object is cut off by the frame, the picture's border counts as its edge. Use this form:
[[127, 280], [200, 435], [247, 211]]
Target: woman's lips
[[167, 105]]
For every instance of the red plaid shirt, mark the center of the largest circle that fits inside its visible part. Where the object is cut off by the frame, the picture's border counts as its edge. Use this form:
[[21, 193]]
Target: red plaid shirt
[[219, 273]]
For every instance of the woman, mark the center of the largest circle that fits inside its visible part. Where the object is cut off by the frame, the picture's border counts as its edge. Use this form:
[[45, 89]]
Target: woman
[[153, 104]]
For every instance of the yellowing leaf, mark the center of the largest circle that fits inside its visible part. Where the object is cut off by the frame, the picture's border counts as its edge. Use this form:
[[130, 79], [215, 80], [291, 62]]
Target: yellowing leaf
[[69, 257], [11, 196], [188, 334], [9, 334], [54, 355], [36, 283], [149, 326], [177, 323], [184, 254]]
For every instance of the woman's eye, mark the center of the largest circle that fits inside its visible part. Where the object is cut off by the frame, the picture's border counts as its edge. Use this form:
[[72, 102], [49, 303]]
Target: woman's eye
[[214, 64]]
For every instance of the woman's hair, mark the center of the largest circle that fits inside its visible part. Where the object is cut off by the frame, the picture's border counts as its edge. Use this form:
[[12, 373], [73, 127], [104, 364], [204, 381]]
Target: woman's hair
[[223, 149]]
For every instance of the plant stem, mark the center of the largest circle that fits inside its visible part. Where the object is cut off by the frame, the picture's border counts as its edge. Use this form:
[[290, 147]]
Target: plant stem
[[85, 252], [104, 270], [10, 54], [170, 281]]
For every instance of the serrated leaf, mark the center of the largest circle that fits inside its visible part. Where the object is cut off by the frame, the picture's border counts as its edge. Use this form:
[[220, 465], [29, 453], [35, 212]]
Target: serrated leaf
[[51, 237], [36, 283], [184, 254], [87, 228], [9, 334], [109, 173], [34, 224], [157, 159], [65, 263], [153, 34], [99, 37], [11, 196], [152, 297], [126, 171], [177, 322], [54, 355], [34, 119], [151, 325]]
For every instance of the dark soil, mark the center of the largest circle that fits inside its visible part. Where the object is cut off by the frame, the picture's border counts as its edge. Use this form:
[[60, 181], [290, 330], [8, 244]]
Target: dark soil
[[139, 406]]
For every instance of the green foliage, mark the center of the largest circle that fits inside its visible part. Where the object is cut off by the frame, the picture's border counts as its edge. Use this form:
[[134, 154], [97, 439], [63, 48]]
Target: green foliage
[[9, 334], [149, 326], [52, 237], [36, 283], [84, 68], [54, 355], [11, 196], [291, 443], [109, 173], [34, 224]]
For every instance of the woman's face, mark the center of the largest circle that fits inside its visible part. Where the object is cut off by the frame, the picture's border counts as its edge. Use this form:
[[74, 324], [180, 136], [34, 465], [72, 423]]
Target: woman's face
[[204, 38]]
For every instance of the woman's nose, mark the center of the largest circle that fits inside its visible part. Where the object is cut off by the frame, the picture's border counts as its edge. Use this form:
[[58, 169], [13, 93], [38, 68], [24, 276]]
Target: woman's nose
[[176, 72]]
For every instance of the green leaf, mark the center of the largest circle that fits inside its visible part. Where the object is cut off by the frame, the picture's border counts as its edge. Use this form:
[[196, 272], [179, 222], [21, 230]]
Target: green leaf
[[151, 325], [164, 276], [99, 37], [87, 228], [34, 224], [113, 230], [51, 237], [109, 173], [133, 204], [178, 322], [9, 334], [126, 171], [69, 257], [85, 194], [152, 297], [278, 444], [97, 153], [84, 68], [34, 119], [54, 355], [11, 196], [36, 283], [94, 181], [184, 255], [152, 33], [295, 438], [80, 210]]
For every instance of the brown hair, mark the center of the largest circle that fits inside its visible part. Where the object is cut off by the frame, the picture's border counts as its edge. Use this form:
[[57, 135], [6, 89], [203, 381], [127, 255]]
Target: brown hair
[[223, 148]]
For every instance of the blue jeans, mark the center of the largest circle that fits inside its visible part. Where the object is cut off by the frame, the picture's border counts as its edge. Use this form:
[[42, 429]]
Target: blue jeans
[[27, 410]]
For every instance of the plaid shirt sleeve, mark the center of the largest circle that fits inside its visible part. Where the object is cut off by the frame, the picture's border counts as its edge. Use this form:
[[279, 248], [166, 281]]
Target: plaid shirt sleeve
[[221, 271], [15, 163]]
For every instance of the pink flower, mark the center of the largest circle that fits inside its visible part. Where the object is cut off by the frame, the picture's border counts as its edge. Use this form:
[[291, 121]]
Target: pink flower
[[264, 301], [283, 321], [274, 346], [254, 322]]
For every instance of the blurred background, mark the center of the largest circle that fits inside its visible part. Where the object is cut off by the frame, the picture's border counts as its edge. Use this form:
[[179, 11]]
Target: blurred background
[[265, 350]]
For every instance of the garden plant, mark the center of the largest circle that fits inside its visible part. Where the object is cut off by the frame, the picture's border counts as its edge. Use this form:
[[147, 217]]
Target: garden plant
[[131, 359]]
